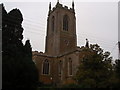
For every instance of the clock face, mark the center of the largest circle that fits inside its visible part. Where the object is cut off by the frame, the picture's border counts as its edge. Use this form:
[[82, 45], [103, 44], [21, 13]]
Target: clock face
[[66, 42]]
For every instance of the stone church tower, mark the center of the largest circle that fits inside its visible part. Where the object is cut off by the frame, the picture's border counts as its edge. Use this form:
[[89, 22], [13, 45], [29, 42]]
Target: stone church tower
[[61, 30], [58, 65]]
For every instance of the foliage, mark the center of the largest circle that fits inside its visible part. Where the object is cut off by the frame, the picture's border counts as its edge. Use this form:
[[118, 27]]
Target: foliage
[[95, 69], [71, 86], [117, 68], [19, 71], [117, 72]]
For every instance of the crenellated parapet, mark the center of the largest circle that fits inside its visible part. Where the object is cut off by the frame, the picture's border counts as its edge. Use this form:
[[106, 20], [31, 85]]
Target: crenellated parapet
[[60, 6]]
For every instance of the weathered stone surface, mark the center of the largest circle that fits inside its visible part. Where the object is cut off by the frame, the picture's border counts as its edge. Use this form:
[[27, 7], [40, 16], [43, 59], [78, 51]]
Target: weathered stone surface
[[61, 45]]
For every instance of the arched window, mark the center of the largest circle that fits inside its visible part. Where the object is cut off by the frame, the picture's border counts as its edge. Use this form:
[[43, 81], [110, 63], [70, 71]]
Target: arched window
[[60, 67], [70, 66], [46, 67], [65, 23], [53, 23]]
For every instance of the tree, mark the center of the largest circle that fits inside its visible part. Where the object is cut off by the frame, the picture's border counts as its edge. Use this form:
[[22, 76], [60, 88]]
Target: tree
[[95, 69], [117, 72], [117, 67], [19, 70]]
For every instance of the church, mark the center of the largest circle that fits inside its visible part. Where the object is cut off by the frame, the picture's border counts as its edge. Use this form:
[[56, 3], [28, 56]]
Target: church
[[59, 63]]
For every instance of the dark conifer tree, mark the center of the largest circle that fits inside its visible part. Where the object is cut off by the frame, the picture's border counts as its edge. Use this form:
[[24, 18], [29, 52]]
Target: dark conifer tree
[[18, 69], [117, 72]]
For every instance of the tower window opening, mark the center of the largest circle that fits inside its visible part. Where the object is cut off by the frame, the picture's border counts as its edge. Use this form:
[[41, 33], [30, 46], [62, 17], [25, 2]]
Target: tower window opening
[[53, 23], [65, 23]]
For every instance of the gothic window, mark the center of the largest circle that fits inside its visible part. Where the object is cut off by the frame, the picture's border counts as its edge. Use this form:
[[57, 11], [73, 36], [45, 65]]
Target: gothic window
[[70, 66], [60, 67], [65, 23], [53, 23], [46, 67]]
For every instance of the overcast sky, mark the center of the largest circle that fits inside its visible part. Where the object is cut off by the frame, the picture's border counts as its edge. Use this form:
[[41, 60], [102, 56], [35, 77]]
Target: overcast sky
[[95, 20]]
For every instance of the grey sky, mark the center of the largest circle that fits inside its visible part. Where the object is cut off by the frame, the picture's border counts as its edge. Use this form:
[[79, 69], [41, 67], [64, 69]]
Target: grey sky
[[97, 21]]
